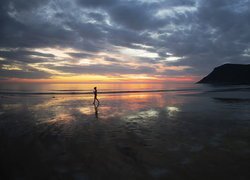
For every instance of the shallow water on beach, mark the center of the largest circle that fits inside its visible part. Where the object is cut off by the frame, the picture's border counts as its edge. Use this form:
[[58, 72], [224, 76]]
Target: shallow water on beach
[[201, 134]]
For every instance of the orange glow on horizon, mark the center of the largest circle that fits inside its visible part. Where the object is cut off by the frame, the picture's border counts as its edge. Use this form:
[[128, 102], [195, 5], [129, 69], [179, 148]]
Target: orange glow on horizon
[[104, 79]]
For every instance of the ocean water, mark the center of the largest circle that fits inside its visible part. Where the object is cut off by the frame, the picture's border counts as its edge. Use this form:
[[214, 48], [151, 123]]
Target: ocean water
[[87, 88], [139, 131], [33, 88]]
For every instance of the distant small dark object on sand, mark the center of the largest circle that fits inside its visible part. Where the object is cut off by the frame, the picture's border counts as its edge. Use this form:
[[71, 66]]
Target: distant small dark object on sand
[[234, 74]]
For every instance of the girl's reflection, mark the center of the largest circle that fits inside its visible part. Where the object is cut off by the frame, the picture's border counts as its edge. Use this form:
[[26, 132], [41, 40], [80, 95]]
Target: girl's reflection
[[96, 110]]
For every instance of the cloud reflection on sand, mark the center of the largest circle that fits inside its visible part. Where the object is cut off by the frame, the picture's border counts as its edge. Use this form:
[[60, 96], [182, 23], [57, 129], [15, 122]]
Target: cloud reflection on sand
[[60, 118], [172, 111], [142, 115], [86, 110], [126, 106], [60, 100]]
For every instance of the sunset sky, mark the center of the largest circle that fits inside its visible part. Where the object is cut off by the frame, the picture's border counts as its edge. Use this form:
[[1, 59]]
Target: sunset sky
[[120, 40]]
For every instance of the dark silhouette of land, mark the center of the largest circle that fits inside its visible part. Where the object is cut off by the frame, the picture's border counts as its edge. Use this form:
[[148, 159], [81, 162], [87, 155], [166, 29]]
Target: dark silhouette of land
[[229, 74]]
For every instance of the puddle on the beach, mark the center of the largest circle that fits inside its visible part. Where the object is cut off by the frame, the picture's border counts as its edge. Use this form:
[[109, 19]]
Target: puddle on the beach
[[135, 136]]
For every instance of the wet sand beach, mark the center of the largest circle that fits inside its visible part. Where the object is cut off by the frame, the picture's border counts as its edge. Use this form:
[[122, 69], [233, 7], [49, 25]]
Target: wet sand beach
[[145, 135]]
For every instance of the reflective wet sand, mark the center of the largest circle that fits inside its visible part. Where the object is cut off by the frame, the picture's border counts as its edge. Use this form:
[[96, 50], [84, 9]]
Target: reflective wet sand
[[129, 136]]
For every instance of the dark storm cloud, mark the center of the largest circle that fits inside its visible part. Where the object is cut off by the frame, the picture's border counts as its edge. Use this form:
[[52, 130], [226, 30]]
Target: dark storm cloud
[[18, 53], [126, 37], [33, 33], [23, 71], [96, 16], [25, 56], [22, 5], [113, 60], [97, 3], [16, 34], [220, 34], [80, 55], [34, 74], [105, 69], [204, 33], [136, 16]]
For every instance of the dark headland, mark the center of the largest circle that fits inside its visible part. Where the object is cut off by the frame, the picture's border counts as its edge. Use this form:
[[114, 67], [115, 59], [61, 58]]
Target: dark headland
[[228, 74]]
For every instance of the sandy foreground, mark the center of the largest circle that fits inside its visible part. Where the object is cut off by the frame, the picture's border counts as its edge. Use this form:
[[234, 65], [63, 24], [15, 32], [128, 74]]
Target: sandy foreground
[[128, 136]]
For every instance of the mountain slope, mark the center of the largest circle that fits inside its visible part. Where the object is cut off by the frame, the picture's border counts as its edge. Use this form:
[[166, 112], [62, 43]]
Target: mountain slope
[[229, 74]]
